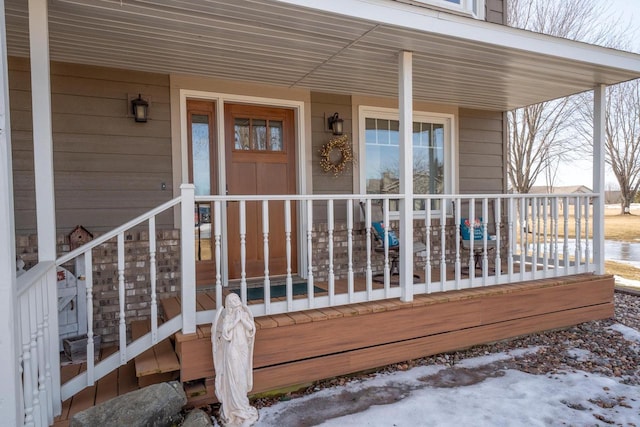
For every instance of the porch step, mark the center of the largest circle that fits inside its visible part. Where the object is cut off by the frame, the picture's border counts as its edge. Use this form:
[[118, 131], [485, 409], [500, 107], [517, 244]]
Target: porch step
[[159, 363]]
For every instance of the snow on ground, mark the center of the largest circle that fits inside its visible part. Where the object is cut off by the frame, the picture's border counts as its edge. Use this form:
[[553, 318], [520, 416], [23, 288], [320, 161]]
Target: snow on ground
[[481, 391], [627, 282]]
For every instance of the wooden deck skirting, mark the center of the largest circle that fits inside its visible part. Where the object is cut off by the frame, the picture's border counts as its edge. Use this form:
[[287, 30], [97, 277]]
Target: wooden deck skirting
[[297, 348]]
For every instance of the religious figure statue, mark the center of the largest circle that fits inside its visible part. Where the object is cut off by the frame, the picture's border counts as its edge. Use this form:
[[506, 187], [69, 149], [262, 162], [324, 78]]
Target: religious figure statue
[[233, 335]]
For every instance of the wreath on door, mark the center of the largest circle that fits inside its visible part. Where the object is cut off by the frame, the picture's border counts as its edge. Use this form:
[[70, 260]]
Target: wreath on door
[[335, 155]]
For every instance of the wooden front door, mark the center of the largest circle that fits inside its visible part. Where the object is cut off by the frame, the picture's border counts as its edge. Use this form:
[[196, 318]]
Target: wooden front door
[[260, 159]]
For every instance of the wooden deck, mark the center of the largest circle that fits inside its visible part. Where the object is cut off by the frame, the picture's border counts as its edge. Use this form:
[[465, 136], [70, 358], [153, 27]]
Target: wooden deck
[[295, 349]]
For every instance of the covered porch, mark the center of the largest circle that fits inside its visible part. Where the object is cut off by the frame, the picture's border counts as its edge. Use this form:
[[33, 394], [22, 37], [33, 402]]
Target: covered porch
[[538, 257]]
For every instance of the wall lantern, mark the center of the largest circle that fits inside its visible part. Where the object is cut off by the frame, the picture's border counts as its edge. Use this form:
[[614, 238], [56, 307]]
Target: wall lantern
[[335, 124], [140, 109]]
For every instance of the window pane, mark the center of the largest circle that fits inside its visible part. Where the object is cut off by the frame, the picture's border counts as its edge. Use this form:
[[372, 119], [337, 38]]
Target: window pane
[[259, 135], [241, 129], [382, 153], [275, 135], [201, 149]]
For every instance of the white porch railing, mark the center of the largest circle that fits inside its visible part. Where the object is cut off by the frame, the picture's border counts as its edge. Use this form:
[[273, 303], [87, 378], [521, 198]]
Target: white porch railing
[[38, 344], [126, 351], [523, 237]]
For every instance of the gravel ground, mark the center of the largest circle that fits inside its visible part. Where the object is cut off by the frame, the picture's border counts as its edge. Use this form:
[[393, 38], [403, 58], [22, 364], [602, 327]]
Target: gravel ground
[[590, 347]]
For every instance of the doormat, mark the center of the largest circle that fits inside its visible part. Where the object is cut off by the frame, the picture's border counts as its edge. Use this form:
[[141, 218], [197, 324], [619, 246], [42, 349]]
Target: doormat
[[277, 291]]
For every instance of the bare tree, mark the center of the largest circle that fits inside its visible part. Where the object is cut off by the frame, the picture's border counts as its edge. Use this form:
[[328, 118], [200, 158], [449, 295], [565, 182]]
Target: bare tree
[[622, 136], [539, 135]]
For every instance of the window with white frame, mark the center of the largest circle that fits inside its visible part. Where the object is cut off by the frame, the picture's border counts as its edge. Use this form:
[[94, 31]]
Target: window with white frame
[[470, 7], [432, 148]]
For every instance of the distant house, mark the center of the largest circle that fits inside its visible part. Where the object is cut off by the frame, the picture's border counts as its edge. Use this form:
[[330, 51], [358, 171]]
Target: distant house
[[568, 189]]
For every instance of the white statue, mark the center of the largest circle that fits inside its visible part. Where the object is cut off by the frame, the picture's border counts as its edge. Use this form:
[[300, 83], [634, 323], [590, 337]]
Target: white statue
[[233, 335]]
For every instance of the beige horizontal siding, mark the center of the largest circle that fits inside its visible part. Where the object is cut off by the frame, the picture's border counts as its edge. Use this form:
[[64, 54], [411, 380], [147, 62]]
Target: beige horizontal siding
[[107, 168], [496, 11], [481, 155]]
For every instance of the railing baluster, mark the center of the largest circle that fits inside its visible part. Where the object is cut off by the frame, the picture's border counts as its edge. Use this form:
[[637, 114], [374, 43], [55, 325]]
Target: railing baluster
[[472, 258], [387, 271], [287, 232], [524, 228], [535, 239], [511, 235], [51, 345], [350, 250], [545, 249], [443, 244], [153, 279], [217, 232], [243, 252], [485, 236], [497, 263], [367, 228], [27, 372], [330, 225], [310, 284], [587, 248], [556, 255], [33, 302], [578, 217], [427, 265], [121, 294], [88, 271], [456, 224], [565, 246], [42, 389], [265, 248]]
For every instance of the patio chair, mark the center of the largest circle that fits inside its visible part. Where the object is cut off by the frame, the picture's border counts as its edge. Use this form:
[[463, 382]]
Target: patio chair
[[378, 230], [478, 244]]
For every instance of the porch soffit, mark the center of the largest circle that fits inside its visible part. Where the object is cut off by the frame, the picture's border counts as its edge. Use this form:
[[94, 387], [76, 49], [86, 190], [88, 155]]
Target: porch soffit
[[290, 43]]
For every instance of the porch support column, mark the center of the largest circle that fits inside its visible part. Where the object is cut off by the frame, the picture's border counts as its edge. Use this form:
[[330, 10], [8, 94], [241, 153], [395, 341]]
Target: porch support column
[[188, 259], [42, 130], [599, 112], [9, 365], [405, 101]]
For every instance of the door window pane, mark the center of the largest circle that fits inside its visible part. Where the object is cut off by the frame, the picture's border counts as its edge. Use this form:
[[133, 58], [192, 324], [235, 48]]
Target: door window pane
[[241, 129], [259, 134], [275, 135], [200, 142]]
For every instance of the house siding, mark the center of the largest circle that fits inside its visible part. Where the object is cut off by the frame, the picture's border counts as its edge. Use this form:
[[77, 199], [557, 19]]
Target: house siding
[[496, 11], [324, 105], [481, 152], [108, 169]]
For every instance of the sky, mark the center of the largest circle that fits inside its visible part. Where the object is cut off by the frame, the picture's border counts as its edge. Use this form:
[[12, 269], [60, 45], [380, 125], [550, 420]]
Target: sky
[[493, 395], [580, 172]]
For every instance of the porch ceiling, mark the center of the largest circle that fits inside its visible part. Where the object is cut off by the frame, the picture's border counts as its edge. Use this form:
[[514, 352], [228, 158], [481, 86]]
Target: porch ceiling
[[293, 43]]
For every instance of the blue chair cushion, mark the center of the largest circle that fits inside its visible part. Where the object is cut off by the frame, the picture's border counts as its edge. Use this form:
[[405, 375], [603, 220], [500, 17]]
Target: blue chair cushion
[[379, 230], [465, 229]]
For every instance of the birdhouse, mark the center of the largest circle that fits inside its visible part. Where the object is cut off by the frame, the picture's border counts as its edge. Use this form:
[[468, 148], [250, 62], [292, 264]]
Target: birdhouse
[[79, 236]]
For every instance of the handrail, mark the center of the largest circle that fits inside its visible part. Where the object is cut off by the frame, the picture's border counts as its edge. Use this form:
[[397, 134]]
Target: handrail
[[325, 197], [113, 233], [32, 276]]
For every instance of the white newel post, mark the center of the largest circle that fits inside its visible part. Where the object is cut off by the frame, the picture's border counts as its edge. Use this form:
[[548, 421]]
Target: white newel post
[[9, 364], [599, 111], [405, 100], [43, 172], [188, 259]]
